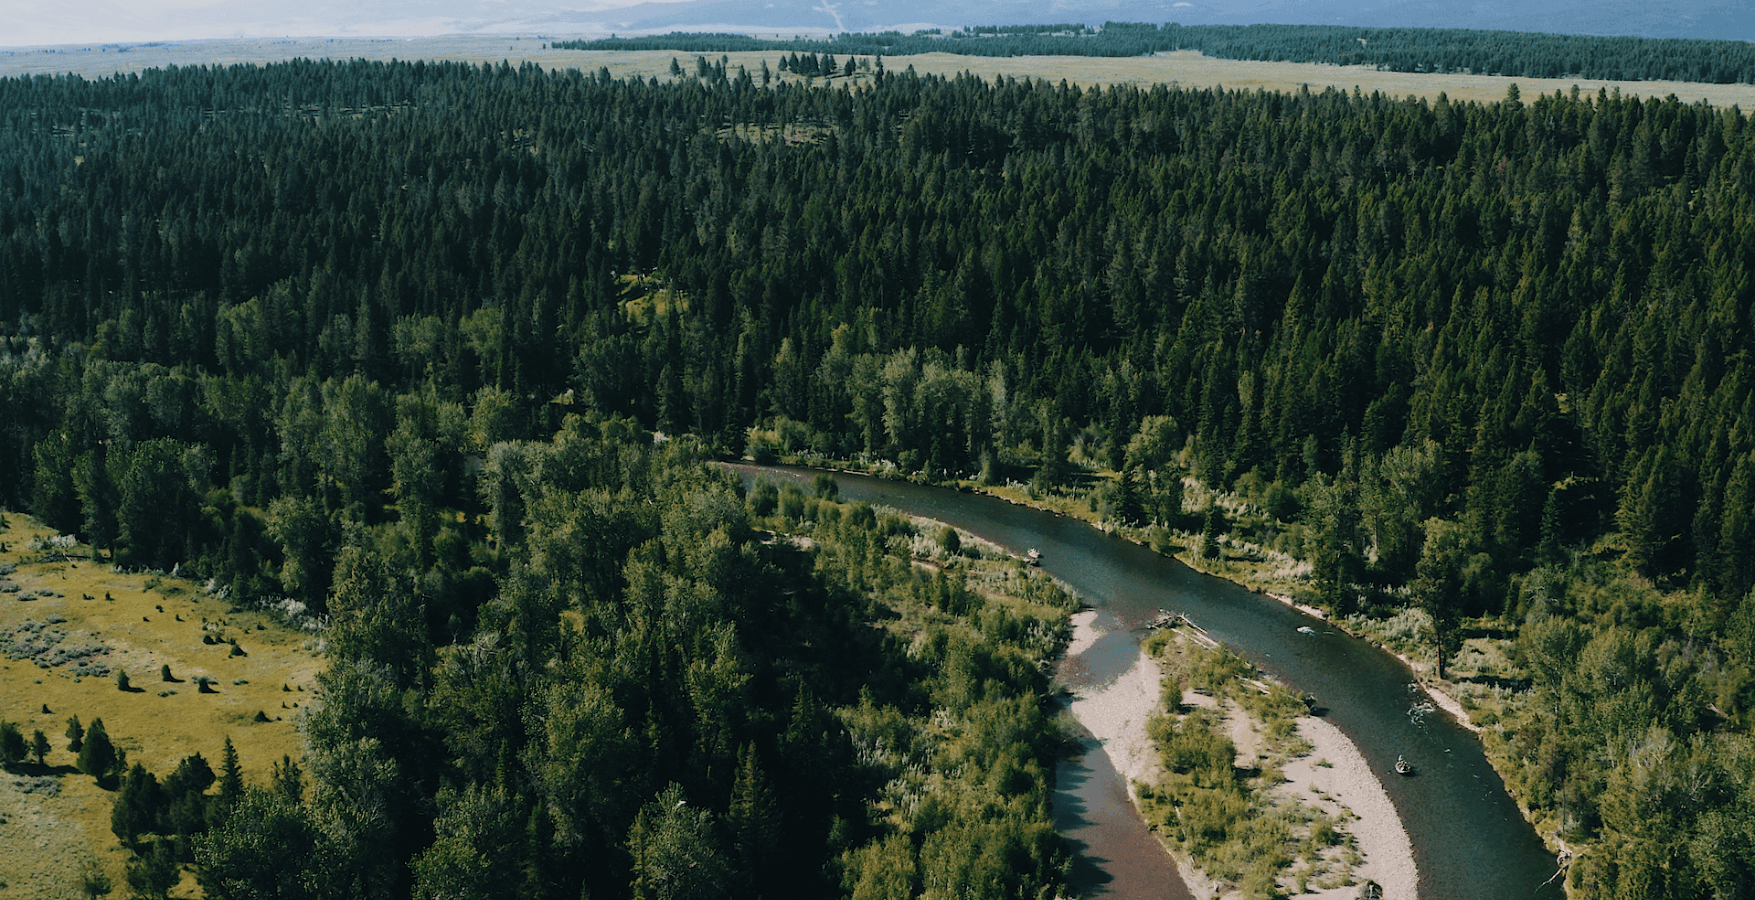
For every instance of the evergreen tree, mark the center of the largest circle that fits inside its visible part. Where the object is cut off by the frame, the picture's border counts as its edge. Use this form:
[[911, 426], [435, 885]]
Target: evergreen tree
[[753, 822], [97, 756], [153, 874], [1211, 532], [137, 807], [12, 745], [288, 780], [231, 775]]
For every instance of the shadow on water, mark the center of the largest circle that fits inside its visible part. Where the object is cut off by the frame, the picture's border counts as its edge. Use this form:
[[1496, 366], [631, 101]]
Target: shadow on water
[[1469, 838], [1114, 854]]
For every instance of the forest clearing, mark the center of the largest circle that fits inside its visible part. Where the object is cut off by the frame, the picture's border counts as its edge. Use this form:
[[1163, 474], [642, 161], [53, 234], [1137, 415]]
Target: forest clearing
[[67, 627]]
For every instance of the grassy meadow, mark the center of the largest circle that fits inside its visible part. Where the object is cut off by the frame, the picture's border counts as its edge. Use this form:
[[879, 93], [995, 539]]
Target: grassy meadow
[[1185, 68], [67, 625]]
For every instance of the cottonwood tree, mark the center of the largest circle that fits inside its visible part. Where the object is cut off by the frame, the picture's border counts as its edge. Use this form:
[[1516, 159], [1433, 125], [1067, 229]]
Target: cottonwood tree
[[676, 850]]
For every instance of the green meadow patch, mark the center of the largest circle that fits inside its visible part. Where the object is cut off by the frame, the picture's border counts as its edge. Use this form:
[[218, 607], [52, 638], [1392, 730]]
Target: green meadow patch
[[70, 628]]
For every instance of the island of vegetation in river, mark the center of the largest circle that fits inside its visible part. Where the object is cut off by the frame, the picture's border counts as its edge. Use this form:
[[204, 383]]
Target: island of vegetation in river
[[1227, 745], [389, 341]]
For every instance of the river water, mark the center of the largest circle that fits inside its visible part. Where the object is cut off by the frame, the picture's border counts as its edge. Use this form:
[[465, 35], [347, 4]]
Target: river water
[[1469, 840]]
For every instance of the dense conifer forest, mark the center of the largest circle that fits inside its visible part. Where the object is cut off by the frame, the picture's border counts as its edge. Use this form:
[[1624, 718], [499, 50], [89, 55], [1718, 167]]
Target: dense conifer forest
[[390, 341], [1515, 53]]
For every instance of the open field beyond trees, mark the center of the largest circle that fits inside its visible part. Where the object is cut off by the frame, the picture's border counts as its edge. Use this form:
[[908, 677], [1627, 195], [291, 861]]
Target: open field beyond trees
[[1185, 68], [67, 625]]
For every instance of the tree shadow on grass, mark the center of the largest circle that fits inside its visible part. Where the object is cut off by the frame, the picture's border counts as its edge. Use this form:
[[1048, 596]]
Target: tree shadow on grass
[[32, 770]]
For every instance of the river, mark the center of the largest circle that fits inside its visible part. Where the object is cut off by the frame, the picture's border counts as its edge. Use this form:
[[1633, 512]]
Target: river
[[1469, 839]]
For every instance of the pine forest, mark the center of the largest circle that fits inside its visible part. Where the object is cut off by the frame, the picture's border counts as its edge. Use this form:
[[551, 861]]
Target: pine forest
[[443, 353]]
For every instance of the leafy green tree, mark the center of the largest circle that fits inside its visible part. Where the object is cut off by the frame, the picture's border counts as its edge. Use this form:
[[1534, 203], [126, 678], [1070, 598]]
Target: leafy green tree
[[351, 456], [39, 746], [676, 850], [306, 536], [1152, 446], [1335, 559], [54, 497], [476, 853], [98, 498], [1130, 504], [158, 503], [1438, 586], [1166, 497], [185, 800], [75, 734], [589, 757], [369, 809], [376, 618], [950, 540], [263, 848]]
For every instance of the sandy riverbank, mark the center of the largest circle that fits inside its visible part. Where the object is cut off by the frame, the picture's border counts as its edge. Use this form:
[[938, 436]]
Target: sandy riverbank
[[1347, 781], [1116, 714]]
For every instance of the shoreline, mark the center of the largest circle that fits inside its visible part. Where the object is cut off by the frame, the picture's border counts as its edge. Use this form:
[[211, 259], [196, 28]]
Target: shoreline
[[1116, 714], [1439, 697]]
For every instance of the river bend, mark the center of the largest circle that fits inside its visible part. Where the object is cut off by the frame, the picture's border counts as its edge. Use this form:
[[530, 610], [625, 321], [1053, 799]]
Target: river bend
[[1470, 841]]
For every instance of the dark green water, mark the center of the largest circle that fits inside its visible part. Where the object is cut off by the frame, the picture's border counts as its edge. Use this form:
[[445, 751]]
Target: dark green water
[[1469, 840]]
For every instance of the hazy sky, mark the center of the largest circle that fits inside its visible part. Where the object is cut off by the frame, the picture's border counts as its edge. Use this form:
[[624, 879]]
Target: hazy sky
[[89, 22], [29, 22]]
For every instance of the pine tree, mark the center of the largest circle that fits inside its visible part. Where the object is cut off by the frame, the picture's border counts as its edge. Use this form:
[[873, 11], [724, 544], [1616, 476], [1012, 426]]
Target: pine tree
[[231, 775], [1210, 546], [287, 780], [137, 806], [153, 874], [12, 746], [97, 756], [75, 735], [753, 821]]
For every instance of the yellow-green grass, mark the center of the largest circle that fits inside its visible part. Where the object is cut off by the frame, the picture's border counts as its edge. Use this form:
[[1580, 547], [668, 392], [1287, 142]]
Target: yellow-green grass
[[46, 839], [1185, 68], [645, 298]]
